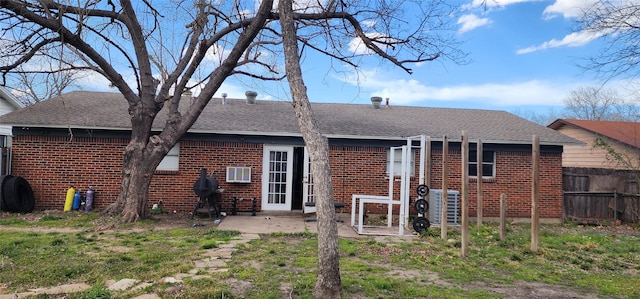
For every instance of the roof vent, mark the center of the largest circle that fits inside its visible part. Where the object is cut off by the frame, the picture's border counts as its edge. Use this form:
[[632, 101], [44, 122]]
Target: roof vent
[[224, 98], [251, 96], [375, 102]]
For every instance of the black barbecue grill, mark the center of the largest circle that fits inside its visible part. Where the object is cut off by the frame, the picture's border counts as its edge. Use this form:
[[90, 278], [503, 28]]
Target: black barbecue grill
[[209, 193]]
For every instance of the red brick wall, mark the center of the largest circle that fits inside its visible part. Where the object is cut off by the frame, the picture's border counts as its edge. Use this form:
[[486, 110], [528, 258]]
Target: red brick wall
[[52, 164], [512, 178], [358, 170], [216, 156]]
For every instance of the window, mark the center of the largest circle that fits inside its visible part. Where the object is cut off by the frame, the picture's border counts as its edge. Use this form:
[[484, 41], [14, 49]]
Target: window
[[397, 163], [171, 160], [488, 164]]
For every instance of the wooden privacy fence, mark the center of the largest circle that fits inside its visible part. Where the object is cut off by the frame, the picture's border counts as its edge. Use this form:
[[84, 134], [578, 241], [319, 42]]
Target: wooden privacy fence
[[595, 207]]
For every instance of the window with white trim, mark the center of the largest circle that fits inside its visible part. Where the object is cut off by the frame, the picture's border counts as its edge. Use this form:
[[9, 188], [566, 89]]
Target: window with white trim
[[397, 163], [488, 164], [172, 160]]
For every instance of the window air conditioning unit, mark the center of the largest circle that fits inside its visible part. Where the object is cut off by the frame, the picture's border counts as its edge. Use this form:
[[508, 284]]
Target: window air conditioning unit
[[238, 174]]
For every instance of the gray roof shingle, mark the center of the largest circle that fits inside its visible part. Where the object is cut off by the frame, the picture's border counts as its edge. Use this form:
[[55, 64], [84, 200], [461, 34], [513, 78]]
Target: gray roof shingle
[[96, 110]]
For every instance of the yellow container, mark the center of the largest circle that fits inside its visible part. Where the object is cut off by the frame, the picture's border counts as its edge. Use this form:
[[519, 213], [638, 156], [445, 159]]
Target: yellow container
[[68, 203]]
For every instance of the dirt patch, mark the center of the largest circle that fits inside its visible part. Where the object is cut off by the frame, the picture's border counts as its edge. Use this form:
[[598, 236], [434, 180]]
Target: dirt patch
[[522, 289], [238, 287]]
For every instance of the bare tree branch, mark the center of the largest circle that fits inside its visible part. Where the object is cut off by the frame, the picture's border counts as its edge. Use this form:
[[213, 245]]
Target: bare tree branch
[[618, 23], [153, 51]]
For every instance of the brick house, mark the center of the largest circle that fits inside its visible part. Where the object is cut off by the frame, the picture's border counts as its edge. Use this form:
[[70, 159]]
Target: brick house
[[77, 139]]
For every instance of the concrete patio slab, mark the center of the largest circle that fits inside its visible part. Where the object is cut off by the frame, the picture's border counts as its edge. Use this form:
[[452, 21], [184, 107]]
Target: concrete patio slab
[[264, 223]]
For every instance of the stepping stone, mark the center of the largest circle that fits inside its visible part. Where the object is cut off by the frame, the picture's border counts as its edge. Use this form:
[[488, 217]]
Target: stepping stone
[[218, 270], [148, 296], [210, 263], [142, 286], [171, 280], [224, 253], [62, 289], [122, 284]]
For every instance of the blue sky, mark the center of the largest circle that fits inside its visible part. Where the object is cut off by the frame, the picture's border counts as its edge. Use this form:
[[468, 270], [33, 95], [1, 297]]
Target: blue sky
[[524, 57]]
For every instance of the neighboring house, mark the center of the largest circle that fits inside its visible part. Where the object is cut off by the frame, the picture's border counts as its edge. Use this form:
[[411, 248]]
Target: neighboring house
[[595, 181], [623, 137], [77, 139], [8, 103]]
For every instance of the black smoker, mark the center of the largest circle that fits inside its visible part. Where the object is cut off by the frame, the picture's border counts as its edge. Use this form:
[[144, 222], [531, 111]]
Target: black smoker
[[209, 193]]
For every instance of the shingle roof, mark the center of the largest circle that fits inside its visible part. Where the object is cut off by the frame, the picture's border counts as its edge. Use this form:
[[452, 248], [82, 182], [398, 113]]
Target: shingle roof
[[96, 110], [621, 131]]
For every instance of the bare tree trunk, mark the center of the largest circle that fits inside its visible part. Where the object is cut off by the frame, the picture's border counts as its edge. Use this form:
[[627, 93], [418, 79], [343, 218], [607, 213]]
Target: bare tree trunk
[[137, 173], [328, 282], [145, 152], [140, 159]]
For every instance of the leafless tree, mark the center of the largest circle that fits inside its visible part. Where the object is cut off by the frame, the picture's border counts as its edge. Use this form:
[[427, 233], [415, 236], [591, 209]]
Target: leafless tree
[[618, 22], [328, 282], [127, 43], [30, 88], [152, 53], [41, 77], [541, 118], [598, 103]]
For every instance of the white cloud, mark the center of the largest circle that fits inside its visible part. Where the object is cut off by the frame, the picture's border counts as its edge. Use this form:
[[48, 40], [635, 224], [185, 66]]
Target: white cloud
[[500, 94], [357, 46], [368, 23], [507, 94], [93, 81], [566, 8], [216, 54], [302, 6], [493, 3], [471, 21], [575, 39]]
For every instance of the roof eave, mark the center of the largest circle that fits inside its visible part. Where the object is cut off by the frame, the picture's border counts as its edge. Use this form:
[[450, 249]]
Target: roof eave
[[290, 134], [5, 94]]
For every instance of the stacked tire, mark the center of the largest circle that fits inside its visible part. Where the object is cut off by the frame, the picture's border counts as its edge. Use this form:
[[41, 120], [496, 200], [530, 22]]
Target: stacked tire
[[16, 195]]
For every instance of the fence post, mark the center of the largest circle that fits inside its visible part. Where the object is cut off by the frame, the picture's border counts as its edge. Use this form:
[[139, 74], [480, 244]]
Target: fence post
[[479, 159], [464, 248], [615, 208], [535, 193], [503, 216], [445, 195]]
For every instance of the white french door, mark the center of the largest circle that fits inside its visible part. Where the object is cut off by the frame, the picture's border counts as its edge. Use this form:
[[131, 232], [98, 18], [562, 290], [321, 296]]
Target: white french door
[[277, 178], [308, 195]]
